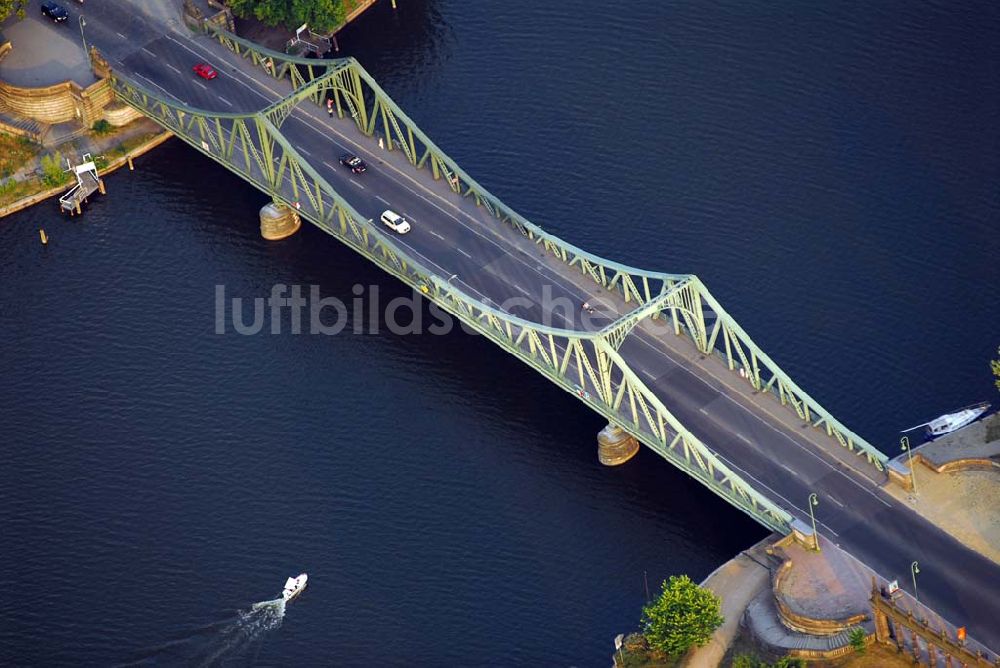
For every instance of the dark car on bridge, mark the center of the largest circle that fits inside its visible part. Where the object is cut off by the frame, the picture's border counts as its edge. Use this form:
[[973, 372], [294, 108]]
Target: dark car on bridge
[[353, 163], [55, 12]]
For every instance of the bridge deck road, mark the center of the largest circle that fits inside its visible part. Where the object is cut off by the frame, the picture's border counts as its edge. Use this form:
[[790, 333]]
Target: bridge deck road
[[454, 237]]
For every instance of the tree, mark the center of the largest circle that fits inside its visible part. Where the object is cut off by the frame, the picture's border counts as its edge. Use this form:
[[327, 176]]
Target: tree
[[684, 616], [9, 7], [321, 15], [995, 365]]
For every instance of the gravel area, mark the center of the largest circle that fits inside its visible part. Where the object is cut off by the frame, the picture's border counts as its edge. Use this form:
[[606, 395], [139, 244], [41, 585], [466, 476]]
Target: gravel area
[[966, 504]]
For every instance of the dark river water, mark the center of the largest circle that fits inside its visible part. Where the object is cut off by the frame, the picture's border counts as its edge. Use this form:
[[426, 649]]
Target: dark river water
[[831, 174]]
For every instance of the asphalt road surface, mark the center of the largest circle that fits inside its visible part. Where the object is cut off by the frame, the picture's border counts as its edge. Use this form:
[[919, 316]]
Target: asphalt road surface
[[460, 241]]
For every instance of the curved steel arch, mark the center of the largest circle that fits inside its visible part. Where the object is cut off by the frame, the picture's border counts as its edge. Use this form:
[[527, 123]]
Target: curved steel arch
[[711, 328], [586, 363]]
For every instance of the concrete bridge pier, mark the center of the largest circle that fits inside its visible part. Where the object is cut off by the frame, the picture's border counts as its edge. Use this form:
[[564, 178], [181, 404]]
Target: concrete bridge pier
[[615, 446], [278, 221]]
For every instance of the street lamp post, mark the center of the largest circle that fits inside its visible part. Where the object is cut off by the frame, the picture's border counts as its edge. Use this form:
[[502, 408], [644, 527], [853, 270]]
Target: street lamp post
[[905, 447], [813, 502], [83, 38], [914, 569]]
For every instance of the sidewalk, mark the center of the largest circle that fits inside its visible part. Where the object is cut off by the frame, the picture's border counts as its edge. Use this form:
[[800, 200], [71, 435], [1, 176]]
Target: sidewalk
[[736, 582], [958, 487]]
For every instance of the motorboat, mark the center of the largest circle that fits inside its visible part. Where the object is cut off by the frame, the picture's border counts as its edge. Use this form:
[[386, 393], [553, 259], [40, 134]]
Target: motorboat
[[952, 421], [294, 587]]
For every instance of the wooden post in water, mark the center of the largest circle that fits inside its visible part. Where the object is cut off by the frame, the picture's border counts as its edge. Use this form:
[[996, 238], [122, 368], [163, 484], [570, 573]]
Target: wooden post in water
[[131, 167]]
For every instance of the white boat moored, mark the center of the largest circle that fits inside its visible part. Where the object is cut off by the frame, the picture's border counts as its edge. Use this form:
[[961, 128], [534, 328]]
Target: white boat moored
[[294, 587], [953, 421]]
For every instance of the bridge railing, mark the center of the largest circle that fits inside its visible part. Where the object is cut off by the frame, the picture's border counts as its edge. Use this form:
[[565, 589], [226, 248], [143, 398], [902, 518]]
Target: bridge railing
[[586, 364], [694, 312], [356, 94]]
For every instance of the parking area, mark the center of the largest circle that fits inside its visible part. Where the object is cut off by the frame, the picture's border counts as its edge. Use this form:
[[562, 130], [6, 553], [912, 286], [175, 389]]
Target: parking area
[[44, 52]]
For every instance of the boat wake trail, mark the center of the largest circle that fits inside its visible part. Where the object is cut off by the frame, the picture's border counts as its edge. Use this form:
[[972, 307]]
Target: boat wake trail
[[229, 642]]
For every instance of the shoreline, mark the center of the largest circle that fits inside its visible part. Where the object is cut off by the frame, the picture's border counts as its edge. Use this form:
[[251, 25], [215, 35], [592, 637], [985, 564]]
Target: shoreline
[[114, 165]]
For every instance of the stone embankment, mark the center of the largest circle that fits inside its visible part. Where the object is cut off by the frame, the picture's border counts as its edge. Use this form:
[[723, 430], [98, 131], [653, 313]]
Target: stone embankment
[[794, 601], [113, 164]]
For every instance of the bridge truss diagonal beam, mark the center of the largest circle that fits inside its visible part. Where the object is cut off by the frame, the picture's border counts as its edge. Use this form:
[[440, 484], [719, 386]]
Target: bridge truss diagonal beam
[[711, 329], [588, 364], [583, 363]]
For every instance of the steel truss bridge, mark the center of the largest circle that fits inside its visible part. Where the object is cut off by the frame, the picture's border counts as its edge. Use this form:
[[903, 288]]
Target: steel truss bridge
[[588, 363]]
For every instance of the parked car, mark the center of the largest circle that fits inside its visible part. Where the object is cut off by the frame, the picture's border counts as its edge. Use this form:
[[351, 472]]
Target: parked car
[[395, 222], [205, 71], [353, 163], [57, 13]]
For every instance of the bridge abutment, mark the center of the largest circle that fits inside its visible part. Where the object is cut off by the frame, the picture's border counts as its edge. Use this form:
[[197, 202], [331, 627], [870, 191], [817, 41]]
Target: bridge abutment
[[278, 221], [615, 446], [804, 535], [900, 474]]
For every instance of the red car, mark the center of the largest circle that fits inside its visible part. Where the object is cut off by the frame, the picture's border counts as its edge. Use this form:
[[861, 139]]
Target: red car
[[205, 71]]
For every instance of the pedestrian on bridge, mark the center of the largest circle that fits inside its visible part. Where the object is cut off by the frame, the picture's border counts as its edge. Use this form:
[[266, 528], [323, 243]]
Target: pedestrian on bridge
[[329, 106]]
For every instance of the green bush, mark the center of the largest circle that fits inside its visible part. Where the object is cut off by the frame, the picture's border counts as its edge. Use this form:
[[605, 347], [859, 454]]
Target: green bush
[[858, 639], [52, 170], [751, 661], [102, 127], [789, 662]]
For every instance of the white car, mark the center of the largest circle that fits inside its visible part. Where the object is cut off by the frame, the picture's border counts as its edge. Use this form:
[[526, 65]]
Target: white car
[[395, 222]]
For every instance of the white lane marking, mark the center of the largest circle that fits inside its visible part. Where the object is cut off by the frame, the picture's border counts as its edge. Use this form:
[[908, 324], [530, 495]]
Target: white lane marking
[[381, 199], [121, 35], [648, 374], [200, 84], [300, 112], [329, 165], [358, 184], [464, 253], [810, 450], [210, 54], [789, 505], [858, 484], [226, 101], [172, 67], [145, 50], [835, 500], [790, 470], [555, 276], [436, 234], [702, 410], [743, 438], [161, 88], [520, 289], [302, 150]]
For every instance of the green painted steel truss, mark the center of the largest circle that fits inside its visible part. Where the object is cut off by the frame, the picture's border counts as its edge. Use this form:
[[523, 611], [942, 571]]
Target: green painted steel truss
[[587, 364]]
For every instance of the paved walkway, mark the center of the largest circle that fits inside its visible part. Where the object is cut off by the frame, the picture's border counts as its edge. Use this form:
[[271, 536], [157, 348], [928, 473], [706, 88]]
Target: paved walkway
[[964, 503], [44, 53], [736, 582]]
